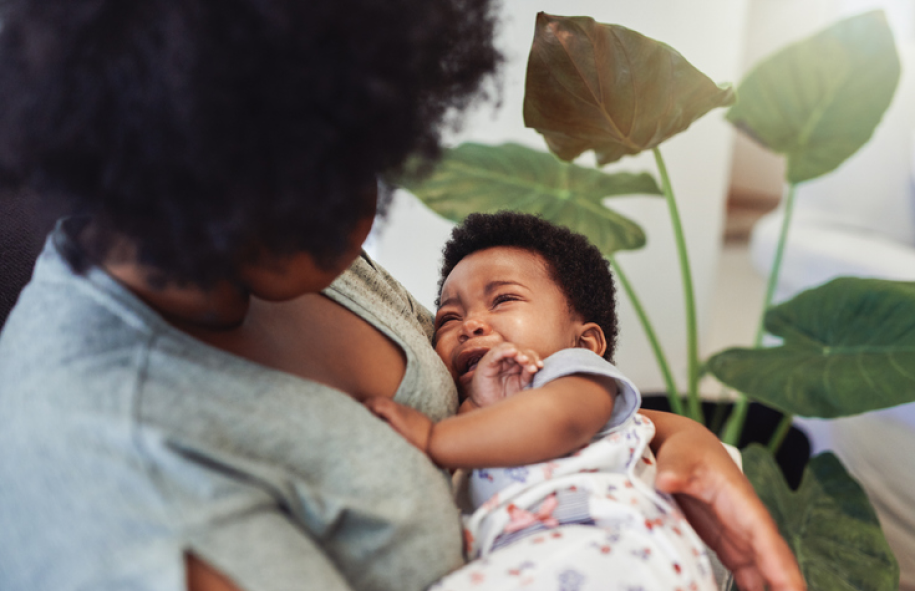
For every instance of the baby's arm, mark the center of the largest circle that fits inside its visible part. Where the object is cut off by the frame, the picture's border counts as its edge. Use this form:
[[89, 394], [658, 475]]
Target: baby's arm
[[533, 426]]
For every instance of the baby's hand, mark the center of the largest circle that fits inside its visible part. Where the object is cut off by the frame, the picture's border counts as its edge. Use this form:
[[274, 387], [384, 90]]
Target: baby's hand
[[412, 425], [502, 372]]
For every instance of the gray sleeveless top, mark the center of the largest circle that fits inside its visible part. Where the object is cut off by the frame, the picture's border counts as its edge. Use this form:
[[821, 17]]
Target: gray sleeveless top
[[125, 443]]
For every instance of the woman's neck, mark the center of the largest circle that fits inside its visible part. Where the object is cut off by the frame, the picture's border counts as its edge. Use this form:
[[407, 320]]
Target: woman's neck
[[222, 307]]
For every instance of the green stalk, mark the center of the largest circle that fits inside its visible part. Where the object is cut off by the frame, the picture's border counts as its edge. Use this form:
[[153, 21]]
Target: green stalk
[[718, 417], [780, 432], [692, 337], [777, 264], [673, 395], [738, 417]]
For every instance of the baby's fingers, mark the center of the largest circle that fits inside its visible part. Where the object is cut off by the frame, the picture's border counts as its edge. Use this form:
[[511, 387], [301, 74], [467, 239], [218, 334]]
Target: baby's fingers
[[529, 360], [502, 360], [414, 426], [381, 407], [499, 353], [525, 358], [530, 363]]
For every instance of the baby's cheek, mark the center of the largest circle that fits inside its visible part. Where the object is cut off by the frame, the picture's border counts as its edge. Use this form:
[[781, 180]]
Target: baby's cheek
[[444, 353]]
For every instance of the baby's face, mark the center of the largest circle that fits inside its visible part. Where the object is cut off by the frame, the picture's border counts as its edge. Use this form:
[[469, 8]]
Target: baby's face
[[498, 295]]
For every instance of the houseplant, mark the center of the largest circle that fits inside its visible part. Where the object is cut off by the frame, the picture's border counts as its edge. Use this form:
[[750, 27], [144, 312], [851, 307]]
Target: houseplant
[[611, 90]]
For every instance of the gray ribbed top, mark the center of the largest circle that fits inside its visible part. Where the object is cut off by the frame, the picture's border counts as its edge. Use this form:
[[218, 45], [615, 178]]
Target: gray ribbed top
[[125, 443]]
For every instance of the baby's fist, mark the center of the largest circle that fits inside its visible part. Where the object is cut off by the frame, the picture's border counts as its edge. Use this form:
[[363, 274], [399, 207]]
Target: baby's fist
[[505, 370]]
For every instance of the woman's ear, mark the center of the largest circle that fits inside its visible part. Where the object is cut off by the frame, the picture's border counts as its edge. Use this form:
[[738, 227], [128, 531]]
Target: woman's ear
[[591, 337]]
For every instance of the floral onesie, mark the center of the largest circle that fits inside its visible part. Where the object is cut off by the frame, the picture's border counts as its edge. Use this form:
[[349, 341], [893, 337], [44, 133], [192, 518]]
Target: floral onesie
[[589, 520]]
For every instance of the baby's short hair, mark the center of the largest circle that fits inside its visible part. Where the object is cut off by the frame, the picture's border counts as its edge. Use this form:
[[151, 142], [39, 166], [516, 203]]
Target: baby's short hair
[[574, 264]]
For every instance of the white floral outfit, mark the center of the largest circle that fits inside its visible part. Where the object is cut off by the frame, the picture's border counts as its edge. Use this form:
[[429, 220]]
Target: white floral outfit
[[588, 521]]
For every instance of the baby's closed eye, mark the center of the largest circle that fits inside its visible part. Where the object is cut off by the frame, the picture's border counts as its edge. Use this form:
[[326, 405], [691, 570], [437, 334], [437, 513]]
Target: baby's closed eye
[[505, 297]]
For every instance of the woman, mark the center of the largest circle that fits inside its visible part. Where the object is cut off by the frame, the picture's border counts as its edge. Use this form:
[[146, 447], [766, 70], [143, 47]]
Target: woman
[[181, 403]]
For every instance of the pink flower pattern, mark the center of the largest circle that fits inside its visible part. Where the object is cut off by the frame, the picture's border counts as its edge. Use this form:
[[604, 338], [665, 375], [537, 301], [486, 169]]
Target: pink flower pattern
[[613, 480]]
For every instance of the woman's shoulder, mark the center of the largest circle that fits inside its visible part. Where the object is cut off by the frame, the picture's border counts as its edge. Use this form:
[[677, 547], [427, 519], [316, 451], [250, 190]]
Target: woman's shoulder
[[369, 291], [367, 283]]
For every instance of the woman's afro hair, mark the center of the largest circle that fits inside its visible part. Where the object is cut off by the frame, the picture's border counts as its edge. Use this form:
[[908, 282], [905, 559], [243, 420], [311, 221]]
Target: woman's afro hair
[[211, 131], [574, 264]]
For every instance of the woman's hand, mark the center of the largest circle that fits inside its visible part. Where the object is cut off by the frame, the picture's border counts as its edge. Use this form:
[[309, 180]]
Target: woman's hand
[[721, 505]]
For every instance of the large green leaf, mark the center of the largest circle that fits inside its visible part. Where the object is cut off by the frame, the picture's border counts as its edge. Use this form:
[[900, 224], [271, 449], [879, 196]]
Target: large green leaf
[[478, 178], [849, 347], [819, 100], [828, 522], [606, 88]]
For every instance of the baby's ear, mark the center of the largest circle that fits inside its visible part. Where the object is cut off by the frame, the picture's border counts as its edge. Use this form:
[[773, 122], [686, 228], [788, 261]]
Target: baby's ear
[[591, 337]]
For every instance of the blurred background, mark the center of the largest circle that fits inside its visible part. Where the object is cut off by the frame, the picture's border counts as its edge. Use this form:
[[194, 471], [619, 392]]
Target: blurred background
[[724, 182]]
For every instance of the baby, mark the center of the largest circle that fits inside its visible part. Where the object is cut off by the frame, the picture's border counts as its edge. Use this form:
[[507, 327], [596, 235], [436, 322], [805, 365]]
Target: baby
[[562, 487]]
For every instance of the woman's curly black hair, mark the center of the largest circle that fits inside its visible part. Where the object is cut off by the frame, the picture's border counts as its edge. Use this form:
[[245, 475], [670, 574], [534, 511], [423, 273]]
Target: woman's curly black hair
[[208, 131], [574, 264]]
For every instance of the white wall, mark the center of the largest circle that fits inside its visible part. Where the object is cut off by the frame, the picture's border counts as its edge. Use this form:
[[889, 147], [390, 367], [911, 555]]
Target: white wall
[[709, 33], [772, 24]]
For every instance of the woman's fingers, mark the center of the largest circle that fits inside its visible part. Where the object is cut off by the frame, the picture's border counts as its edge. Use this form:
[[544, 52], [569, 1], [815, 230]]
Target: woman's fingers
[[749, 580], [725, 511], [776, 564], [723, 508]]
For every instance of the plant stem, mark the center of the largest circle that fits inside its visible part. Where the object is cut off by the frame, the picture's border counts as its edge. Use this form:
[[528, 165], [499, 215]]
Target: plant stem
[[673, 395], [717, 417], [734, 426], [776, 265], [692, 338], [780, 432]]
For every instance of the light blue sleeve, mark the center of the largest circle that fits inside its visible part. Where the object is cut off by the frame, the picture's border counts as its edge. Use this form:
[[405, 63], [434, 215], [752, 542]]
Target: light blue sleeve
[[582, 361]]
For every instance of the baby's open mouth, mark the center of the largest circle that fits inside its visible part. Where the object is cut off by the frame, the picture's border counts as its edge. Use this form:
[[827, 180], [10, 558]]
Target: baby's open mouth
[[470, 361]]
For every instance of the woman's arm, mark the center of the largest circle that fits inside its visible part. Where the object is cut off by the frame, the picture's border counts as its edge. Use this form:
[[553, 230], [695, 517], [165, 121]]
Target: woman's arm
[[721, 504], [532, 426]]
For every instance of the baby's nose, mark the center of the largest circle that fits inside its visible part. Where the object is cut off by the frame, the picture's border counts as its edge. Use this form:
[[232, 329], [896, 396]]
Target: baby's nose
[[476, 327]]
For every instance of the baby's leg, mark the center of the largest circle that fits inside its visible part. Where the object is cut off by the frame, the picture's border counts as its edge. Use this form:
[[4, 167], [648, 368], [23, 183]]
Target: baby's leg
[[583, 558]]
